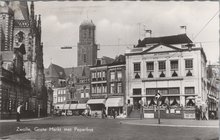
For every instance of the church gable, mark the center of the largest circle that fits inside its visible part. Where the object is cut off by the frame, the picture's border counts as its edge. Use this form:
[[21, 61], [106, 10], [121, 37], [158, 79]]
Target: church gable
[[161, 48]]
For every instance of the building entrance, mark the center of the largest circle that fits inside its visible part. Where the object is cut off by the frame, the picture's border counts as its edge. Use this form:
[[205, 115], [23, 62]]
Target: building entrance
[[136, 103]]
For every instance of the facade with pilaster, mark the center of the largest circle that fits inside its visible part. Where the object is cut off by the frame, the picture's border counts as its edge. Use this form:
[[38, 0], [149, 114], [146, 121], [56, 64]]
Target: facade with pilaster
[[166, 65]]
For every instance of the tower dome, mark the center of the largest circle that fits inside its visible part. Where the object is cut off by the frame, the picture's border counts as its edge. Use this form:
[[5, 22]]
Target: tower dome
[[87, 23]]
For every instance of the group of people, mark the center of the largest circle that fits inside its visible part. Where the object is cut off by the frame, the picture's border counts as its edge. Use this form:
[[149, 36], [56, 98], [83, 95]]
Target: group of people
[[113, 113], [201, 113]]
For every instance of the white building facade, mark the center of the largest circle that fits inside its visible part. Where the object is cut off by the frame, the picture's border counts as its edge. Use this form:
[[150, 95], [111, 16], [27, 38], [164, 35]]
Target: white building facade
[[173, 69]]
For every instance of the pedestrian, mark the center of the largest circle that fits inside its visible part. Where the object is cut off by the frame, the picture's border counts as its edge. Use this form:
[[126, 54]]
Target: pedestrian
[[197, 112], [141, 112], [204, 113], [103, 113], [19, 113], [200, 113], [113, 113]]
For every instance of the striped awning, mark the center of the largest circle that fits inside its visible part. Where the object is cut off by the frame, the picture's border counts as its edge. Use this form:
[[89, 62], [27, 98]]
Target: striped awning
[[114, 102], [66, 106], [96, 101], [81, 106], [73, 106], [59, 106]]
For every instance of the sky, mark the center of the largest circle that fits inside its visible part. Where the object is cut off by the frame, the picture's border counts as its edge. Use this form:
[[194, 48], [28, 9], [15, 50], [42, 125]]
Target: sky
[[120, 24]]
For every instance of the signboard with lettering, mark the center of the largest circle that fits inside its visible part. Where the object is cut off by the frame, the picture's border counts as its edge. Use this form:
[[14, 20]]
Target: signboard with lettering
[[198, 101], [148, 115], [189, 115]]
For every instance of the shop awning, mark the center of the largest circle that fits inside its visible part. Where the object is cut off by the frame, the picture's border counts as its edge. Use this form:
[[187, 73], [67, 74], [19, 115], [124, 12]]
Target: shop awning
[[96, 101], [114, 102], [59, 106], [81, 106], [66, 106], [73, 106]]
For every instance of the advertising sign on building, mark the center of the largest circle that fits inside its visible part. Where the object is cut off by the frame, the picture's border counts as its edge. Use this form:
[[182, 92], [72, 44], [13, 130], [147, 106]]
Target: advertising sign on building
[[198, 101]]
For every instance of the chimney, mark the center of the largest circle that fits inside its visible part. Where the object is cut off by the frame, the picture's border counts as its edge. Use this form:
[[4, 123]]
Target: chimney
[[182, 29], [148, 33]]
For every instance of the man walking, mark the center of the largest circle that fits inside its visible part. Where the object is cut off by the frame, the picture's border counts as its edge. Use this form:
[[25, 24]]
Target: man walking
[[19, 112]]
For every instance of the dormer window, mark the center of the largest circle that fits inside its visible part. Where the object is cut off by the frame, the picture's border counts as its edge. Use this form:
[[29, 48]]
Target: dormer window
[[98, 62]]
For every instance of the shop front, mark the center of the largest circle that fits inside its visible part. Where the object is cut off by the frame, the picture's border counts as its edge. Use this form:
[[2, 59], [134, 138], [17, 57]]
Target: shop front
[[170, 108], [114, 104], [97, 107], [70, 109], [212, 107]]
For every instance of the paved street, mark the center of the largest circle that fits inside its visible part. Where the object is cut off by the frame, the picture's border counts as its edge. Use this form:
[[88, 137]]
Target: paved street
[[73, 127]]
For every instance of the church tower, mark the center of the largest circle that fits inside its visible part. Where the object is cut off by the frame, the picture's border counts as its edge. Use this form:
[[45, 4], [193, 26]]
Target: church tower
[[86, 48]]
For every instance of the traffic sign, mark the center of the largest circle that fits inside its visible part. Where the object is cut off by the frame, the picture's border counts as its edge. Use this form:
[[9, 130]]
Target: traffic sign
[[157, 96]]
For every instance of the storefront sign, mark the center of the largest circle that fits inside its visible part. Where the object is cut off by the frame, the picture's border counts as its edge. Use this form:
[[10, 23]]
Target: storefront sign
[[198, 101], [148, 115], [177, 111], [189, 115], [172, 110]]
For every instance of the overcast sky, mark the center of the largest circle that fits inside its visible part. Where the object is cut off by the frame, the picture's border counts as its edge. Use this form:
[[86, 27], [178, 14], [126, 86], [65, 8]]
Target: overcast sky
[[118, 23]]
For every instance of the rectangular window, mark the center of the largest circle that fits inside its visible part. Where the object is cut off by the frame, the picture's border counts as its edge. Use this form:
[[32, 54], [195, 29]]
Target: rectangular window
[[94, 89], [99, 88], [162, 65], [119, 75], [112, 73], [82, 95], [87, 95], [112, 88], [163, 91], [137, 70], [189, 90], [174, 64], [188, 63], [119, 88], [150, 66], [137, 91], [93, 75], [137, 66], [174, 91], [150, 91], [99, 75], [104, 88], [103, 75]]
